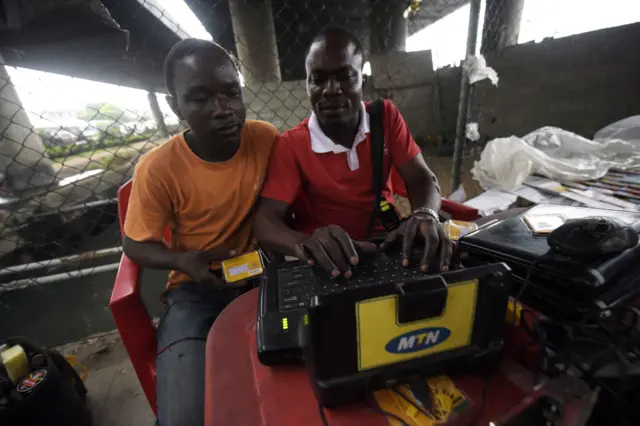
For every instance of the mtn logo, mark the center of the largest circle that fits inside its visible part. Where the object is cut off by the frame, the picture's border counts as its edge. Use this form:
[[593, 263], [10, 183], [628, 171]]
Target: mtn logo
[[417, 340]]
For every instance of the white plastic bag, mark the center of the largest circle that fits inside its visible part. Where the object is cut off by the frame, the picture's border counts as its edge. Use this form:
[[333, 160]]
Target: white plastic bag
[[472, 132], [554, 153], [504, 163], [477, 70], [627, 130]]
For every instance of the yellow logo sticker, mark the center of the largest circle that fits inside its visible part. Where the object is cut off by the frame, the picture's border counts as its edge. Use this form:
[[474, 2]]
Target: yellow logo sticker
[[383, 341]]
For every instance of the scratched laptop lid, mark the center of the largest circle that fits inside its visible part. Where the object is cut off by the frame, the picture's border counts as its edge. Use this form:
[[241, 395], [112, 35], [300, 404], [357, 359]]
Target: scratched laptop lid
[[513, 241]]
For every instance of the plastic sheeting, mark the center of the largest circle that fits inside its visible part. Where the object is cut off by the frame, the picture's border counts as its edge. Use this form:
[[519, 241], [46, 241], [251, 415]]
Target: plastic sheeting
[[627, 130], [558, 154]]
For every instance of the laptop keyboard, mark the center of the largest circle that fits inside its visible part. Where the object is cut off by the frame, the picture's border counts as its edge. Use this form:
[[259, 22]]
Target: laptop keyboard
[[298, 283]]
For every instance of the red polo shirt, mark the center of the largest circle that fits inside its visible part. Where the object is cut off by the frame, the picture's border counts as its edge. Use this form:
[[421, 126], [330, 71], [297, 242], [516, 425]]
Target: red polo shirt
[[328, 184]]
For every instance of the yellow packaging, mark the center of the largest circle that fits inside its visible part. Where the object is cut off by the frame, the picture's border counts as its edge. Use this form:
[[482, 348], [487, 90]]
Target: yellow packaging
[[16, 363], [514, 312], [242, 267], [458, 228], [447, 402]]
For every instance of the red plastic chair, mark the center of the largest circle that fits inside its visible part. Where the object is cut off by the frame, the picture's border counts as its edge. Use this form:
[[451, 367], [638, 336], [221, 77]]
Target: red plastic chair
[[134, 323]]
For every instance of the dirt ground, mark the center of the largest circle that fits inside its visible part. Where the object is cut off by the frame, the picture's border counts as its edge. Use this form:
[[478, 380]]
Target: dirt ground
[[115, 396]]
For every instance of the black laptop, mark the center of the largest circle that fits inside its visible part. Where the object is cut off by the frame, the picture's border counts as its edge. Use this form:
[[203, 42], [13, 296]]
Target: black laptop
[[559, 286], [287, 288]]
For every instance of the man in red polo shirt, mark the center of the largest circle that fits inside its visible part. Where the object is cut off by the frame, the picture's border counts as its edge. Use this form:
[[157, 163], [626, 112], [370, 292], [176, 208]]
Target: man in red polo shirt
[[321, 171]]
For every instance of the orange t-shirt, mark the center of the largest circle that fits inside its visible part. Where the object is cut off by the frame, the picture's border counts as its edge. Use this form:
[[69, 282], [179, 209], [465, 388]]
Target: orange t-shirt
[[205, 205]]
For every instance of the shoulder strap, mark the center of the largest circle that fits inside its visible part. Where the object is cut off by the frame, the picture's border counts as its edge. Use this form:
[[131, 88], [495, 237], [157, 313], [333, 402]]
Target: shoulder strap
[[376, 123]]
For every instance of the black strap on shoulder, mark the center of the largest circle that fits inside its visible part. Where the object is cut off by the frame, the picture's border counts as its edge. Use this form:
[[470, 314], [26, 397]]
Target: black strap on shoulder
[[376, 123]]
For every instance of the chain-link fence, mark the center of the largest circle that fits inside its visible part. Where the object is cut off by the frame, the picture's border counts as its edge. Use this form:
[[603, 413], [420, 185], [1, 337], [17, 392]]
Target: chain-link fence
[[68, 144]]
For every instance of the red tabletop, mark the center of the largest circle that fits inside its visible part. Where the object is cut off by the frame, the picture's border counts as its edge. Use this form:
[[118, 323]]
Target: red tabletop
[[241, 391]]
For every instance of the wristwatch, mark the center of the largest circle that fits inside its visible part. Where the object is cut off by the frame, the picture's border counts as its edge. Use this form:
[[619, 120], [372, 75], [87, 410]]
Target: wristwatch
[[427, 211]]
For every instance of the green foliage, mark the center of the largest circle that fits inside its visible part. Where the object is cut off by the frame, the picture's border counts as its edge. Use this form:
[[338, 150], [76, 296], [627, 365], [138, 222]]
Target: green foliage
[[107, 112], [109, 162], [111, 139]]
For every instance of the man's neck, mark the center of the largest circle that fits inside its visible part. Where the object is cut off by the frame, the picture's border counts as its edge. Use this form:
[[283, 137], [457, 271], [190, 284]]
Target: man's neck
[[207, 152], [343, 134]]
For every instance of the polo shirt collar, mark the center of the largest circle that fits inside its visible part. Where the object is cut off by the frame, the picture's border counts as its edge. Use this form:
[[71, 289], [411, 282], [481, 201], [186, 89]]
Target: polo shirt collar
[[322, 144]]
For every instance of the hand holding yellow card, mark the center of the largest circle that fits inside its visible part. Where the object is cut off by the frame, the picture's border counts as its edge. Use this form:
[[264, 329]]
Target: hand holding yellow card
[[242, 267]]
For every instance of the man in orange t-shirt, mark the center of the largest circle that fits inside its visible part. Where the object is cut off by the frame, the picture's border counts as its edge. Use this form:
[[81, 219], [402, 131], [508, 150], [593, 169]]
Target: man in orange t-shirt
[[202, 185]]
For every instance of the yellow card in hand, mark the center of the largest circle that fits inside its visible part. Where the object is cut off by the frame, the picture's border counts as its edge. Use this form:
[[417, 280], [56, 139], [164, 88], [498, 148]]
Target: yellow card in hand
[[242, 267]]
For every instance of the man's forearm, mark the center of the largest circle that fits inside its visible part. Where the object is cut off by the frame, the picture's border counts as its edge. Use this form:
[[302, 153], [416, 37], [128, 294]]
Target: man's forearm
[[151, 254], [424, 192], [423, 188], [274, 234]]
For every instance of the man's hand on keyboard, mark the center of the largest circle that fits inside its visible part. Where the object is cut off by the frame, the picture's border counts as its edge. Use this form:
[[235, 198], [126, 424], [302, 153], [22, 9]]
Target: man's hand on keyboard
[[424, 228], [333, 249]]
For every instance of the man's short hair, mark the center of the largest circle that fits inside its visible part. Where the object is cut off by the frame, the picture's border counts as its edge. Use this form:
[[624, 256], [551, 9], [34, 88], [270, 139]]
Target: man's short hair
[[334, 30], [184, 48]]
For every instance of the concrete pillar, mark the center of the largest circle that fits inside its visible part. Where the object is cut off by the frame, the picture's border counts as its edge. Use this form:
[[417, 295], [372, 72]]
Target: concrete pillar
[[255, 40], [157, 114], [388, 26], [501, 24], [23, 162]]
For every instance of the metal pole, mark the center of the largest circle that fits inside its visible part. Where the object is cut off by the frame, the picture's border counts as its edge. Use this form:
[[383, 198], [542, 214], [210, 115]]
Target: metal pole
[[389, 27], [157, 113], [81, 206], [28, 282], [89, 255], [253, 26], [61, 210], [501, 24], [463, 104]]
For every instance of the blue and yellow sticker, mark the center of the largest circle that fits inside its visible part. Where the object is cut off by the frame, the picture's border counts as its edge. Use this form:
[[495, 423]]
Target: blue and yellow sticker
[[383, 341]]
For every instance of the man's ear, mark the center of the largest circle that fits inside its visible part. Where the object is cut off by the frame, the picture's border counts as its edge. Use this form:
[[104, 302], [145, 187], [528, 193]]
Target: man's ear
[[174, 106]]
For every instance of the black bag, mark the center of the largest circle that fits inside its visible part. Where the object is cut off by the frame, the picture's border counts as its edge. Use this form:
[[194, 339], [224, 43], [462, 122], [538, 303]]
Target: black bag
[[376, 121], [57, 397], [388, 215]]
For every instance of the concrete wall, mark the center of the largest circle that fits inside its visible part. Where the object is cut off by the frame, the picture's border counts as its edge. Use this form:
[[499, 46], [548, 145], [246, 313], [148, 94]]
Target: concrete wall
[[408, 79], [579, 83], [448, 81], [23, 164]]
